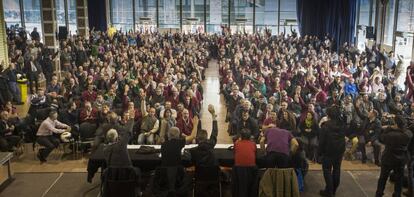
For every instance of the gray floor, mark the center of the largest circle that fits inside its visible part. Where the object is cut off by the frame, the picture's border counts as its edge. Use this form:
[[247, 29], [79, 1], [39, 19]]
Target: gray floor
[[51, 185], [353, 184]]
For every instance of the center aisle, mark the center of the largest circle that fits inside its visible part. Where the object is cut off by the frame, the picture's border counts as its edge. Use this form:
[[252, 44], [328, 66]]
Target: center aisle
[[211, 87]]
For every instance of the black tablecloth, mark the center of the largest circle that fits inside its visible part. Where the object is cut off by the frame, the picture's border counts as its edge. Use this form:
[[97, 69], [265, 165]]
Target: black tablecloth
[[147, 162]]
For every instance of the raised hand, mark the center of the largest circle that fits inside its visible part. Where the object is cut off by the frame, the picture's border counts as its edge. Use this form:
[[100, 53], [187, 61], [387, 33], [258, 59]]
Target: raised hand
[[211, 109], [195, 120]]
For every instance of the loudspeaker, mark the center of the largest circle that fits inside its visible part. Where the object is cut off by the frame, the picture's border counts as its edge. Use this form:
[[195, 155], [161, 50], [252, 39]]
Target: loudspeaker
[[63, 33], [370, 32]]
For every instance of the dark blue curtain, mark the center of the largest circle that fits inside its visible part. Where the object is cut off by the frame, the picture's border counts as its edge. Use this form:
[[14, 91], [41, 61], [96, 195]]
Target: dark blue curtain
[[335, 18], [97, 15]]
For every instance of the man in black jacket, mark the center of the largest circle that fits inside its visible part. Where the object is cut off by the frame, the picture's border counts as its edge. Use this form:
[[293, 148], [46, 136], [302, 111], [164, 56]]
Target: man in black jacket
[[8, 141], [70, 116], [32, 71], [247, 122], [331, 150], [370, 136], [113, 123], [396, 139], [117, 158], [203, 154], [11, 73]]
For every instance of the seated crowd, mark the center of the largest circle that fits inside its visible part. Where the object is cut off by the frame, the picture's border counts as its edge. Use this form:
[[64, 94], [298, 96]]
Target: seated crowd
[[291, 81], [285, 91], [155, 84]]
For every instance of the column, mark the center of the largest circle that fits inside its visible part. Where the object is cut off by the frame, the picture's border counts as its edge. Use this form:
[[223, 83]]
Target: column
[[3, 38], [412, 56], [49, 24], [82, 17]]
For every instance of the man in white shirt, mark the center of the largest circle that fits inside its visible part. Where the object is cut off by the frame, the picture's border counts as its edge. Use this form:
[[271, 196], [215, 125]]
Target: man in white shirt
[[377, 86], [45, 135]]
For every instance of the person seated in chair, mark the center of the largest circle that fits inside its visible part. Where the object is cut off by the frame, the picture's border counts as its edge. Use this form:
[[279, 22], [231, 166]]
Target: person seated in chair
[[45, 135], [113, 123], [70, 116], [149, 125], [203, 154], [8, 141]]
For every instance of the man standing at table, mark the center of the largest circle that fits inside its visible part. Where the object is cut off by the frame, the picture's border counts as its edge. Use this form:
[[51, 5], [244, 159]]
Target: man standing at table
[[280, 143], [117, 156], [203, 154]]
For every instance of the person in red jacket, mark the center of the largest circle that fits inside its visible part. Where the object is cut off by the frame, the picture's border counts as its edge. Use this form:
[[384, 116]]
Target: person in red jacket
[[89, 94], [88, 114], [244, 150], [184, 123]]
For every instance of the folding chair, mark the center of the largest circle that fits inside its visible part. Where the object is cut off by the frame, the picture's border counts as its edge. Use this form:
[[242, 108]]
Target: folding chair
[[245, 181], [207, 181], [119, 182]]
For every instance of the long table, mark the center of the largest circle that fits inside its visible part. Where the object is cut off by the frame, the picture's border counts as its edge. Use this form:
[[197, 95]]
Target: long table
[[148, 162], [6, 174]]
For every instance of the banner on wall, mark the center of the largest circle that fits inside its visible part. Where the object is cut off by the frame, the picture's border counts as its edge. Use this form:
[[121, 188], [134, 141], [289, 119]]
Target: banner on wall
[[215, 11]]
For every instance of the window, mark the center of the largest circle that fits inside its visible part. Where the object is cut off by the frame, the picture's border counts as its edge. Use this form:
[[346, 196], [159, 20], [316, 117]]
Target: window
[[72, 16], [32, 16], [169, 11], [266, 15], [121, 12], [374, 12], [364, 6], [193, 16], [288, 18], [12, 14], [145, 14], [404, 37], [60, 12], [217, 15], [406, 16], [389, 23], [241, 16]]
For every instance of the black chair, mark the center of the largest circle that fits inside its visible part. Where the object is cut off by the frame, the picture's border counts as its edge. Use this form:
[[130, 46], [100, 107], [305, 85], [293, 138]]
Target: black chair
[[245, 181], [119, 182], [171, 182], [207, 181], [86, 137]]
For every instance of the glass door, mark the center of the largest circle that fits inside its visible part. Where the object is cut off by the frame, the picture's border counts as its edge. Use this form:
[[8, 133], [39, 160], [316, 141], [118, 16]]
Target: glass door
[[404, 45], [361, 37]]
